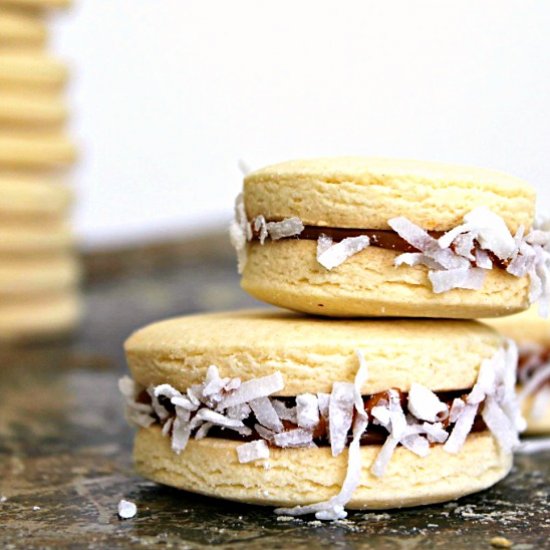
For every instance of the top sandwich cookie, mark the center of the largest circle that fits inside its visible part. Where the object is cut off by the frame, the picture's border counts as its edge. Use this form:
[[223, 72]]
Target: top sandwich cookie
[[275, 408], [368, 237]]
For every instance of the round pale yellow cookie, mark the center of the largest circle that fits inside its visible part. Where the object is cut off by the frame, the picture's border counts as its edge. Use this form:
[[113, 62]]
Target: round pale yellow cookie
[[311, 353], [210, 467], [311, 356], [18, 239], [20, 29], [34, 111], [31, 71], [367, 192], [31, 152], [527, 329], [31, 277], [347, 198], [25, 196], [39, 318]]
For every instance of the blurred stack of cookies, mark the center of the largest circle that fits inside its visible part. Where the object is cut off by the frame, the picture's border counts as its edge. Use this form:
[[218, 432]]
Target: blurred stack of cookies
[[39, 270]]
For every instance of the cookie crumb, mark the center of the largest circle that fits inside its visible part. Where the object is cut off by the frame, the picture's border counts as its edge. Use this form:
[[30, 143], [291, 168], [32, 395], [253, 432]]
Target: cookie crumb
[[126, 509], [501, 542]]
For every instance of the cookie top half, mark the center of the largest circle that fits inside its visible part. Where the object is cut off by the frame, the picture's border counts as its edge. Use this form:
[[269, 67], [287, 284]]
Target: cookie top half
[[311, 353], [366, 192]]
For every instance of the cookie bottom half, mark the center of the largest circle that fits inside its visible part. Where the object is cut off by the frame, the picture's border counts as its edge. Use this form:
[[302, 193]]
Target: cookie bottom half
[[304, 476], [286, 273]]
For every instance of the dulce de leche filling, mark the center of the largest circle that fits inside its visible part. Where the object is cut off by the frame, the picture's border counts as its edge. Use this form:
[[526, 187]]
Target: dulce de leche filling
[[375, 435], [380, 238]]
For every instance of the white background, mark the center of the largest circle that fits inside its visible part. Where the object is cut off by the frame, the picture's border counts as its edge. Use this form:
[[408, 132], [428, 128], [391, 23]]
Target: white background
[[168, 95]]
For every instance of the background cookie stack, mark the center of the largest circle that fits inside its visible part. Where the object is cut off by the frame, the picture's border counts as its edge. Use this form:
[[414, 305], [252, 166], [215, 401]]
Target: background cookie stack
[[39, 270]]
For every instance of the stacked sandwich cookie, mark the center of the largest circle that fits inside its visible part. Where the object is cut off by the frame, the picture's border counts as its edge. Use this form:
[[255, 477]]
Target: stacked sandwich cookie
[[532, 334], [39, 270], [318, 414]]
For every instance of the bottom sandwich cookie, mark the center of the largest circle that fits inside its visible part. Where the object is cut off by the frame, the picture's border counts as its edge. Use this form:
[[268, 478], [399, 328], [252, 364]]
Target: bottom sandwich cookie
[[532, 335], [316, 415]]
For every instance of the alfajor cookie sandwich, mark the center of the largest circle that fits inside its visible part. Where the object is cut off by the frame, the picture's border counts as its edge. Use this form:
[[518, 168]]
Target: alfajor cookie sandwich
[[366, 237], [314, 415], [532, 335]]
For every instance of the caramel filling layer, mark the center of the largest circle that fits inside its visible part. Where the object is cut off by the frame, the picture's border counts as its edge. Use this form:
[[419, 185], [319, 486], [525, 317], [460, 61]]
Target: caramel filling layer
[[380, 238], [374, 435]]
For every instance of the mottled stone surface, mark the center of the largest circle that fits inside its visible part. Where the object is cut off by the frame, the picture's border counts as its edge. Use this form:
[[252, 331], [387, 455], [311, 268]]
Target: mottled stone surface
[[65, 451]]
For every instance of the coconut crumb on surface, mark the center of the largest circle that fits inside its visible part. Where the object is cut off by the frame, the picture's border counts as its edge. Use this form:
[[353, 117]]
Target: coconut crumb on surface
[[126, 509], [35, 508], [3, 498], [501, 542]]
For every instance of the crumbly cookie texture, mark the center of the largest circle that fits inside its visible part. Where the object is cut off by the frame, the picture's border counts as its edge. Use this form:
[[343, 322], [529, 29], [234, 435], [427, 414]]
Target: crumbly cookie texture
[[250, 344], [367, 192], [305, 476], [286, 273]]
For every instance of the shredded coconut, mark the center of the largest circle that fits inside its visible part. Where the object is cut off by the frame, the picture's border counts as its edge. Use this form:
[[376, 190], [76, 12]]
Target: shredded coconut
[[331, 255], [460, 258], [425, 404], [340, 415], [289, 227], [293, 438], [254, 450], [126, 509], [240, 232], [266, 414], [307, 411]]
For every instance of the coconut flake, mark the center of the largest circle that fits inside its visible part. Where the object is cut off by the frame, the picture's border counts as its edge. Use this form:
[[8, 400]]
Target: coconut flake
[[331, 255], [253, 389], [167, 426], [499, 424], [289, 227], [469, 278], [424, 403], [218, 419], [293, 438], [260, 226], [240, 232], [284, 412], [416, 444], [359, 381], [137, 414], [340, 415], [323, 399], [307, 411], [126, 509], [488, 229], [264, 433], [462, 428], [254, 450], [384, 456], [265, 414], [238, 412], [202, 432], [456, 408], [436, 432]]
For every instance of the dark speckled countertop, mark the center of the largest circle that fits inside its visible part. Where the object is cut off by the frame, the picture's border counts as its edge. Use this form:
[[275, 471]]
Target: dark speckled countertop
[[65, 450]]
